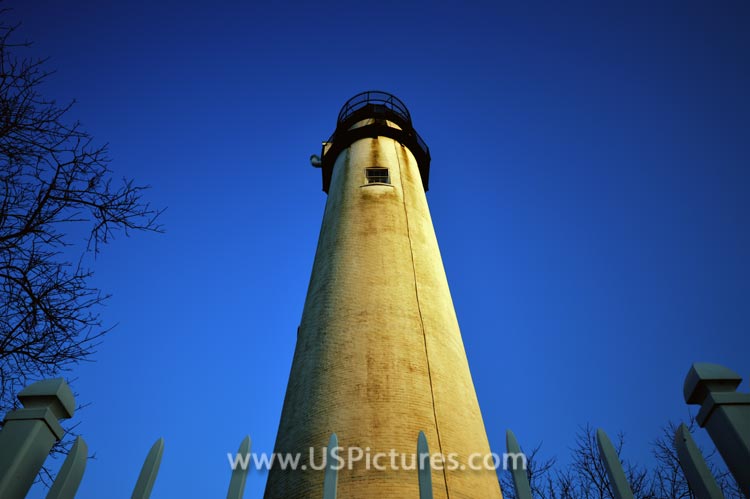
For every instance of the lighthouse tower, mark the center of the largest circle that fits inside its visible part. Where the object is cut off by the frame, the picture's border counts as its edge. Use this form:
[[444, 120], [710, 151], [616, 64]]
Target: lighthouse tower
[[379, 355]]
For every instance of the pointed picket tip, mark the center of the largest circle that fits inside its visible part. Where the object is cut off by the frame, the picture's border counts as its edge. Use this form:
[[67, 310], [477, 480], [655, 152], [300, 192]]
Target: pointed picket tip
[[422, 446], [699, 476], [511, 442], [608, 455], [331, 478], [333, 441], [69, 477], [424, 467], [150, 469], [239, 475], [520, 476]]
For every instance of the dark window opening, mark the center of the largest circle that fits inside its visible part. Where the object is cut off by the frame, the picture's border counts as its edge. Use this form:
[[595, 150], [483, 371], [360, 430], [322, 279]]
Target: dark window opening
[[377, 175]]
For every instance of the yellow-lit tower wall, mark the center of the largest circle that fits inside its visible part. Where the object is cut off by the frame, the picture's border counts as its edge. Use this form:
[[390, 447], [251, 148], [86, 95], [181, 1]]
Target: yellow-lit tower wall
[[379, 354]]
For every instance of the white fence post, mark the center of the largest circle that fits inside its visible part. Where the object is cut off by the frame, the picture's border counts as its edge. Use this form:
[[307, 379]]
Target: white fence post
[[724, 413], [29, 433]]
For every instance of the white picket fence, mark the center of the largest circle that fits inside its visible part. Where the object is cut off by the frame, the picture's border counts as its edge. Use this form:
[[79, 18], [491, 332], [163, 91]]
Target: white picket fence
[[29, 433]]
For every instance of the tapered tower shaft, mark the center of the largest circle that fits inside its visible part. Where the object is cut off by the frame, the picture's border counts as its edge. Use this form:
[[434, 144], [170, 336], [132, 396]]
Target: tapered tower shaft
[[379, 354]]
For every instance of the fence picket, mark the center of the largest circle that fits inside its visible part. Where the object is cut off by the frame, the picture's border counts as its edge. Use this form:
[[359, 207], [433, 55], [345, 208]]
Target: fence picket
[[239, 475], [331, 478], [618, 484], [150, 469], [69, 477], [699, 477], [520, 476], [424, 469]]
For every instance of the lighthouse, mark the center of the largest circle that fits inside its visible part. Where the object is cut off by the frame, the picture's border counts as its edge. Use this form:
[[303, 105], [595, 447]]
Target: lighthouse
[[379, 355]]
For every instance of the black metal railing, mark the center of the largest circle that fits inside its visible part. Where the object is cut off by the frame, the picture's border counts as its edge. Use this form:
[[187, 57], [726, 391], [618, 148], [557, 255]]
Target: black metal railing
[[378, 103], [381, 107], [374, 98]]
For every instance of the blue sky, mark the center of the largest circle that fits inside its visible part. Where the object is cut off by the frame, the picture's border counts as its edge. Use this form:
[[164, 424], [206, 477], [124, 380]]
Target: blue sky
[[590, 189]]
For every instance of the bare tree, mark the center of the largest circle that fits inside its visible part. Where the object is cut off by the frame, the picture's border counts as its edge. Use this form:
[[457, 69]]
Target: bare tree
[[58, 204], [586, 477]]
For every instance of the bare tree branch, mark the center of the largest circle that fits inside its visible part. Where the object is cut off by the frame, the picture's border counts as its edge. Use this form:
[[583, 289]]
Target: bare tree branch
[[586, 477], [54, 182]]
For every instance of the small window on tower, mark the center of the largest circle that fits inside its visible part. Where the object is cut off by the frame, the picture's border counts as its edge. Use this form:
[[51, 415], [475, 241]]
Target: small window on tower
[[377, 175]]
